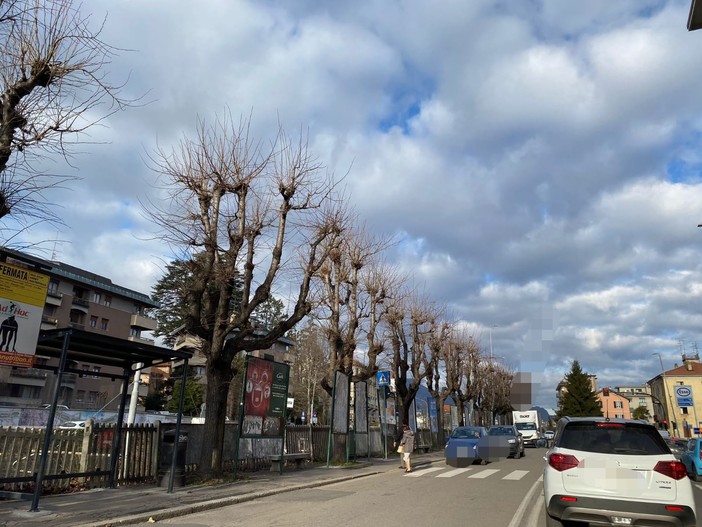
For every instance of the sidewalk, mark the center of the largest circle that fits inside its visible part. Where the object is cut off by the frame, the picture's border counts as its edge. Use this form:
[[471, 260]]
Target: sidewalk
[[131, 505]]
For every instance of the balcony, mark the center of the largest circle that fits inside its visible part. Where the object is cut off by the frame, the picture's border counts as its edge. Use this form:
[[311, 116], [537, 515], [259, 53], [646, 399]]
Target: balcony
[[80, 302], [49, 320], [54, 298], [76, 325], [142, 322]]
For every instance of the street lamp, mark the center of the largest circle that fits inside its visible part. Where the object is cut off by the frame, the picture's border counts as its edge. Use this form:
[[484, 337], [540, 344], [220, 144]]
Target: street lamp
[[493, 326], [665, 397]]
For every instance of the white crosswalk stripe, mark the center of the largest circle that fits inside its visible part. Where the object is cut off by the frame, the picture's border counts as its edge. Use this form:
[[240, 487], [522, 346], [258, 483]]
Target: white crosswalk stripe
[[418, 473], [452, 473], [484, 473], [517, 474], [475, 473]]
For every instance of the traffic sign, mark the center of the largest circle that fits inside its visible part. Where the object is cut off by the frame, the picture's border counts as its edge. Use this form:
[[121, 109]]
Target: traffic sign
[[683, 396], [383, 378]]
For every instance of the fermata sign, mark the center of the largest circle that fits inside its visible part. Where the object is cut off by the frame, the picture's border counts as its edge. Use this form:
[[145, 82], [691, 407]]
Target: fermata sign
[[22, 299]]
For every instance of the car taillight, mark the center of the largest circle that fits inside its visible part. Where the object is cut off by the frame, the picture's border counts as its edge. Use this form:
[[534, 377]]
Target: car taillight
[[562, 462], [672, 469]]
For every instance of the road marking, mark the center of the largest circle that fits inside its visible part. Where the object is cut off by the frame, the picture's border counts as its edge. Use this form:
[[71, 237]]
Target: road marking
[[698, 486], [517, 474], [485, 473], [452, 473], [536, 511], [528, 499], [417, 473]]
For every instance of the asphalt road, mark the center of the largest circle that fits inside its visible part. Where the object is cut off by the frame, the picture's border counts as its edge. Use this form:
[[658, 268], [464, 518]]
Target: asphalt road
[[500, 494]]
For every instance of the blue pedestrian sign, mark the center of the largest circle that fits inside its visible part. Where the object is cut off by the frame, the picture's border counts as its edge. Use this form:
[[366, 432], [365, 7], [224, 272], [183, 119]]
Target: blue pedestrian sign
[[383, 378]]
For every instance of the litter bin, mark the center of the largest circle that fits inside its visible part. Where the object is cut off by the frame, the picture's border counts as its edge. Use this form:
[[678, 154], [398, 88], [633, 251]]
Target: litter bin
[[168, 443]]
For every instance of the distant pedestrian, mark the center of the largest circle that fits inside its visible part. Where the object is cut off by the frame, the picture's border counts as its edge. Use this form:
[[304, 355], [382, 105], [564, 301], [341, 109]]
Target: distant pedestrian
[[396, 444], [407, 444]]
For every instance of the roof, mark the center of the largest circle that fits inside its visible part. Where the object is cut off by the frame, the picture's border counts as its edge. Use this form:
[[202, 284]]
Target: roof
[[682, 371], [77, 275], [84, 346]]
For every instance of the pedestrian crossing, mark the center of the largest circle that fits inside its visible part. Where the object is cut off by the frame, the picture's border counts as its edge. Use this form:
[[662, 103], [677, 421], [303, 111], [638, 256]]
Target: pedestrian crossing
[[468, 472]]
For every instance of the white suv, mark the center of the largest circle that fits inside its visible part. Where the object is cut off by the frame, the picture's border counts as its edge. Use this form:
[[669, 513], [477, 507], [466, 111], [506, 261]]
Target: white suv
[[614, 472]]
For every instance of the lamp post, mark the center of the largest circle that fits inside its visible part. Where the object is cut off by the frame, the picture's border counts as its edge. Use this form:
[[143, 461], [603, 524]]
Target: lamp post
[[665, 396], [493, 326]]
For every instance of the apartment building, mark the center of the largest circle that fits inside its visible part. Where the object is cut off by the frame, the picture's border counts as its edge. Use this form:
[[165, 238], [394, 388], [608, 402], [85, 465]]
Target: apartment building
[[677, 395], [613, 404], [79, 299], [639, 397]]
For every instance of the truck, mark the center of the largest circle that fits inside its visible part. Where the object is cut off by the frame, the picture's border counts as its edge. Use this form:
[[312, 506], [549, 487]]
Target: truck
[[528, 424]]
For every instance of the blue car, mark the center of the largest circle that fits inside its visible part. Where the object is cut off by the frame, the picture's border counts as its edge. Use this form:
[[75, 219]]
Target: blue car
[[692, 458], [462, 446]]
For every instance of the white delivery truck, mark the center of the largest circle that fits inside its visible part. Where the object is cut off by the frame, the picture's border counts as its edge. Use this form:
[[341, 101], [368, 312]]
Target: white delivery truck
[[528, 423]]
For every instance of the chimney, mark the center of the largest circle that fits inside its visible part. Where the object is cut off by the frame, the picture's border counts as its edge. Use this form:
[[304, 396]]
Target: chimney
[[689, 359], [688, 365]]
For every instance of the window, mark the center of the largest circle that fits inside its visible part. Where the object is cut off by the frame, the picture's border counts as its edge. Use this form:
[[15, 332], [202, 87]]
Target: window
[[80, 396], [53, 286], [684, 410], [78, 292], [49, 310], [96, 369], [642, 401], [77, 317], [93, 321], [619, 416], [104, 323], [108, 300], [134, 332], [618, 404], [97, 297]]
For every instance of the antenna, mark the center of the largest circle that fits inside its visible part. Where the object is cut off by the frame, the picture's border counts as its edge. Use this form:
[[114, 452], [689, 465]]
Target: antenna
[[53, 252]]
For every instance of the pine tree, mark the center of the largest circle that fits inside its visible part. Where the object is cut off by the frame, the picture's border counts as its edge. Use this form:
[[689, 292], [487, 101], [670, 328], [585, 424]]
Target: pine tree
[[579, 399]]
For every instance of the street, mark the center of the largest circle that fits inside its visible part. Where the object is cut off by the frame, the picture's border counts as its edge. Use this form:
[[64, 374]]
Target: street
[[482, 495], [505, 493]]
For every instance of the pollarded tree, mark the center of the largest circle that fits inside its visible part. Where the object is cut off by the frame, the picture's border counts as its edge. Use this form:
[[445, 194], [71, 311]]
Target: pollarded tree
[[52, 88], [578, 398], [411, 322], [250, 217]]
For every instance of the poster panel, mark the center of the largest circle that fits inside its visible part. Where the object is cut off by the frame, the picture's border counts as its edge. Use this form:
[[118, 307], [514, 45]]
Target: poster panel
[[341, 403], [360, 407], [433, 416], [22, 299], [374, 409], [265, 398]]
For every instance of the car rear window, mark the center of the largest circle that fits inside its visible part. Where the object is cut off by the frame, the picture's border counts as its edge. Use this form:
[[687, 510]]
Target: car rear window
[[465, 434], [501, 431], [613, 438]]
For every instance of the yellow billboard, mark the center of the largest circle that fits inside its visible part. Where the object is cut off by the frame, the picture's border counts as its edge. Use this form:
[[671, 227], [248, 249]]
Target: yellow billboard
[[22, 298]]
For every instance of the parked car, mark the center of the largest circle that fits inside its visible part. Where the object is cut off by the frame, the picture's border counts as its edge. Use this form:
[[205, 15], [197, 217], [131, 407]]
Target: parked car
[[692, 458], [549, 435], [72, 425], [614, 472], [462, 446], [676, 448], [512, 438]]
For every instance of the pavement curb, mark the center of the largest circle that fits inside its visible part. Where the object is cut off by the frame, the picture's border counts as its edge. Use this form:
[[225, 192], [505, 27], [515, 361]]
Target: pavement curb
[[184, 510]]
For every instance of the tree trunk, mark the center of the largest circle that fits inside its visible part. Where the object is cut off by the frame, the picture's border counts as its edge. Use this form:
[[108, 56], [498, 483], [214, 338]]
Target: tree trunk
[[219, 376]]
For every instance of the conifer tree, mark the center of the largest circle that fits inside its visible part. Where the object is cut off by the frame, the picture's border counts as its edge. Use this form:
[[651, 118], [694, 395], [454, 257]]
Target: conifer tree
[[578, 399]]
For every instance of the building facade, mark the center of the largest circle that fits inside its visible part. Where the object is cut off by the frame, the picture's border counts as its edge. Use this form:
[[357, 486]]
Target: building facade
[[639, 397], [677, 397], [613, 404], [86, 301]]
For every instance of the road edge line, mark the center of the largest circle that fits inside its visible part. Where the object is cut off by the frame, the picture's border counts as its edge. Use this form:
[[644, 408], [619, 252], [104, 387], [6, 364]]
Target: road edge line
[[519, 513]]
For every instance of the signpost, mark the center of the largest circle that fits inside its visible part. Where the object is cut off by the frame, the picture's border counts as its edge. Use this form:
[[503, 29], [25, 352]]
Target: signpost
[[383, 379]]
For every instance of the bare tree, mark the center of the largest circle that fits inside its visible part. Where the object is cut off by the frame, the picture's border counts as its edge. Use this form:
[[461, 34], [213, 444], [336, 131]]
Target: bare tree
[[53, 88], [257, 218], [411, 321], [355, 288]]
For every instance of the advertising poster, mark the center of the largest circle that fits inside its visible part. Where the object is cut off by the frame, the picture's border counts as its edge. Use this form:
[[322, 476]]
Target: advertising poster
[[22, 298], [265, 398], [373, 407], [360, 407], [341, 403], [433, 417]]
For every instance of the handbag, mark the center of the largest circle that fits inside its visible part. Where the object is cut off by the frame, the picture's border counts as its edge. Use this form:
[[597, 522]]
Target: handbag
[[401, 449]]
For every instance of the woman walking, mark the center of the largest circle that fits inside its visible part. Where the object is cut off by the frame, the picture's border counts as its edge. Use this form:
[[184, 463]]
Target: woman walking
[[407, 444]]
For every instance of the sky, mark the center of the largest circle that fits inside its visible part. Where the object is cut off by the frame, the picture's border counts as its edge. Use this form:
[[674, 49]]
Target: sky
[[537, 161]]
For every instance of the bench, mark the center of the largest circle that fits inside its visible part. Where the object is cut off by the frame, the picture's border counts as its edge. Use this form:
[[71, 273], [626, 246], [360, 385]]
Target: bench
[[299, 459]]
